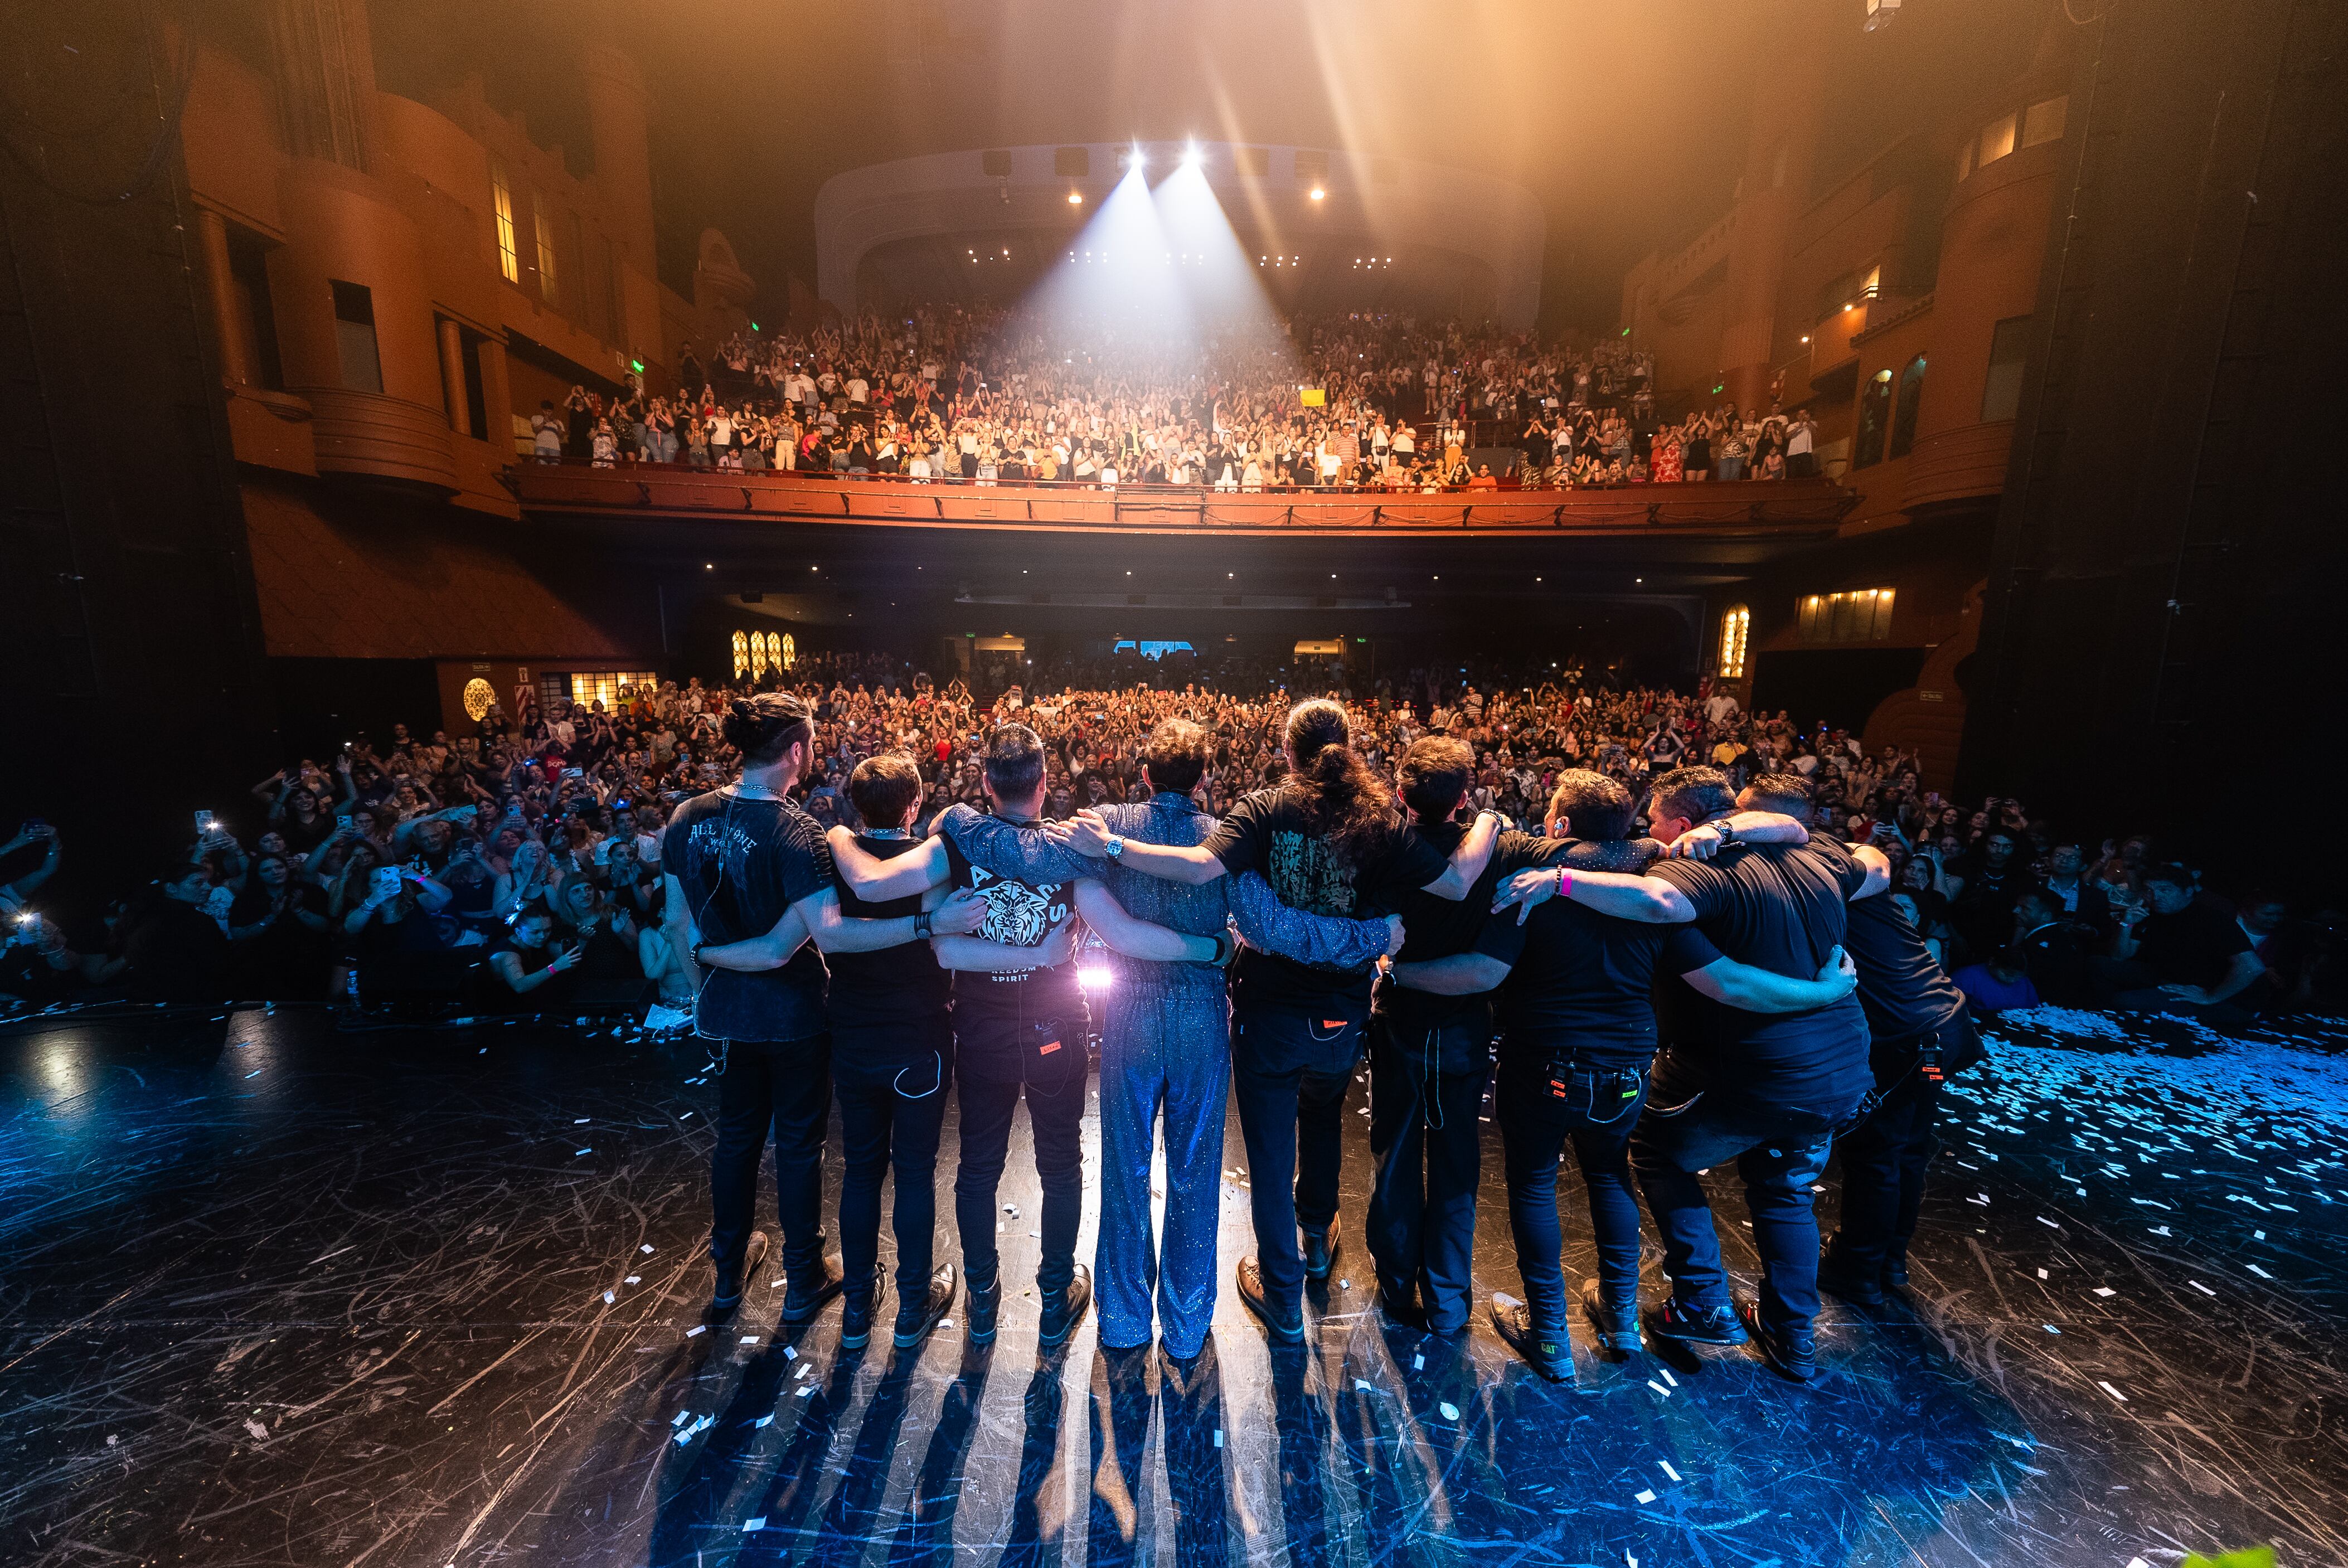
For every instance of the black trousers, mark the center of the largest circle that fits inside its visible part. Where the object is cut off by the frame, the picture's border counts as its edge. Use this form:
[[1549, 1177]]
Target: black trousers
[[891, 1088], [1884, 1158], [782, 1087], [997, 1061], [1288, 1074], [1427, 1088]]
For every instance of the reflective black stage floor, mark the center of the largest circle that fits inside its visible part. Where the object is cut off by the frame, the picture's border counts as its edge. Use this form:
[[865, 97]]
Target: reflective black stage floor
[[279, 1295]]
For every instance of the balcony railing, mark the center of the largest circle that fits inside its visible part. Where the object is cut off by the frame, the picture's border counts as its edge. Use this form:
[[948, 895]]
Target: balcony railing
[[1736, 506]]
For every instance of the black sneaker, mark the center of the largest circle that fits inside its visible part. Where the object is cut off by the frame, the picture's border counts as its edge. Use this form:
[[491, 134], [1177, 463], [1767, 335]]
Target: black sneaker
[[1698, 1325], [915, 1321], [726, 1294], [806, 1297], [1545, 1348], [1617, 1322], [1794, 1352], [1064, 1309], [857, 1310], [984, 1303], [1850, 1285], [1249, 1277], [1320, 1251]]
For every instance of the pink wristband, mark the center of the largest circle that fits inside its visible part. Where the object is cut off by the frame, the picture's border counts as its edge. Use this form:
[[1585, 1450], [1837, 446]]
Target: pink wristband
[[1564, 882]]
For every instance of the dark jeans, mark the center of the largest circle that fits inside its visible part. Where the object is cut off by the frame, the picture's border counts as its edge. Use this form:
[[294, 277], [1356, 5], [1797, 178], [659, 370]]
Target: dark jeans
[[1290, 1074], [891, 1088], [1427, 1088], [997, 1059], [783, 1086], [1547, 1098], [1884, 1159], [1779, 1152]]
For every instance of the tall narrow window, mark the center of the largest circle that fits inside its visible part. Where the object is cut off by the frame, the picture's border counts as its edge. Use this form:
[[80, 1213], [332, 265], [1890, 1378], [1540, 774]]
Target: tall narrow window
[[354, 336], [549, 288], [741, 654], [1903, 410], [501, 197], [1735, 628], [2009, 345], [787, 656], [1874, 421], [1996, 139]]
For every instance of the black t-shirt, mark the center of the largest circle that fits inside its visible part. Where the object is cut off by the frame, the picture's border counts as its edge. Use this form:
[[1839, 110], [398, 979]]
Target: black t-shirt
[[1436, 927], [896, 986], [1019, 913], [1575, 971], [741, 864], [1903, 988], [1272, 832], [2195, 947], [1783, 908]]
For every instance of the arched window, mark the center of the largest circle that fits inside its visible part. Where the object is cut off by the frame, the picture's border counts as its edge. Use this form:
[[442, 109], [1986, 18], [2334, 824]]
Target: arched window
[[1874, 420], [741, 654], [1904, 411], [758, 654], [1735, 628], [787, 656]]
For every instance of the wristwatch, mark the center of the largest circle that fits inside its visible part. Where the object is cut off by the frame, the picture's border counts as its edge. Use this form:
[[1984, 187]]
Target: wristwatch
[[696, 954], [1725, 829], [1116, 847]]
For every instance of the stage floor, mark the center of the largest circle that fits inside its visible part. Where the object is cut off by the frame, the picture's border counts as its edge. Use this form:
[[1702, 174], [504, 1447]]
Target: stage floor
[[279, 1295]]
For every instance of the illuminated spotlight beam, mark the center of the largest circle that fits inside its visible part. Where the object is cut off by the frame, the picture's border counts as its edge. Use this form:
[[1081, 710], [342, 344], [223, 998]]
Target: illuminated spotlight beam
[[1115, 265], [1219, 275]]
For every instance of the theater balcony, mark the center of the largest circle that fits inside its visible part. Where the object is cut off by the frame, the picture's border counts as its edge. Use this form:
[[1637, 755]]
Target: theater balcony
[[1788, 512]]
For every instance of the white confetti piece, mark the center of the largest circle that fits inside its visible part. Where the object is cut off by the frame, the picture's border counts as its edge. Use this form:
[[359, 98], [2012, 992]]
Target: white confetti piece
[[790, 1353], [1344, 1285], [2042, 1274], [633, 1279], [2107, 1389], [259, 1432], [697, 1328], [2050, 1328], [2049, 1224], [580, 1123], [1667, 1375], [749, 1339], [749, 1525], [645, 1249], [1219, 1437], [577, 1152], [800, 1375], [609, 1298], [1450, 1411], [1643, 1497], [1659, 1388], [1363, 1386], [764, 1421], [804, 1390], [2106, 1290], [1418, 1363], [2204, 1289], [2258, 1271]]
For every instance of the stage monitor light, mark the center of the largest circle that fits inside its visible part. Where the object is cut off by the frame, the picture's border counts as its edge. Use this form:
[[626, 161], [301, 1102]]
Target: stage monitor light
[[1318, 193], [1192, 156]]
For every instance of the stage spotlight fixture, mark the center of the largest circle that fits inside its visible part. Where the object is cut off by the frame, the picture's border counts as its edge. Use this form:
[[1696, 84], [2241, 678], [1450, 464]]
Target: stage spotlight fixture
[[1192, 157], [1318, 193], [1075, 198]]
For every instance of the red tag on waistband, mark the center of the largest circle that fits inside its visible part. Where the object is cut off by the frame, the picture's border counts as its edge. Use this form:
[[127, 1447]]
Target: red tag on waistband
[[1046, 1048], [1333, 1023]]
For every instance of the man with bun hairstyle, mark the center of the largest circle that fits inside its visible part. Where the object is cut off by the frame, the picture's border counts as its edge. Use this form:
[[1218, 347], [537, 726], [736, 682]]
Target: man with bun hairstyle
[[1164, 1040], [1329, 839]]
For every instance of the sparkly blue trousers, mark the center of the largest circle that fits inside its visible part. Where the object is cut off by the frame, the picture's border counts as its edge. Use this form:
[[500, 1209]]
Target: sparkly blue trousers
[[1165, 1051]]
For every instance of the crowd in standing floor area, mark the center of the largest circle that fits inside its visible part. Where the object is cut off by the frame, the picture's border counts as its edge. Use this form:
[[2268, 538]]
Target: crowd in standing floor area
[[1375, 401], [550, 815]]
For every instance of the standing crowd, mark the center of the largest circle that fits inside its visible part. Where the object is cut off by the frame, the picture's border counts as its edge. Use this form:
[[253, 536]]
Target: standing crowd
[[1360, 401]]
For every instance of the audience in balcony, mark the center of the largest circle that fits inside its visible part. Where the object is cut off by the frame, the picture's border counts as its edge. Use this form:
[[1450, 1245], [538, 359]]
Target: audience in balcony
[[1389, 403]]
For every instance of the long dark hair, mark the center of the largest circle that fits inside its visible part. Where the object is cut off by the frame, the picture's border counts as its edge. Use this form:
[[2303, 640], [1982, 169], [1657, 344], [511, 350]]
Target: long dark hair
[[1348, 803]]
